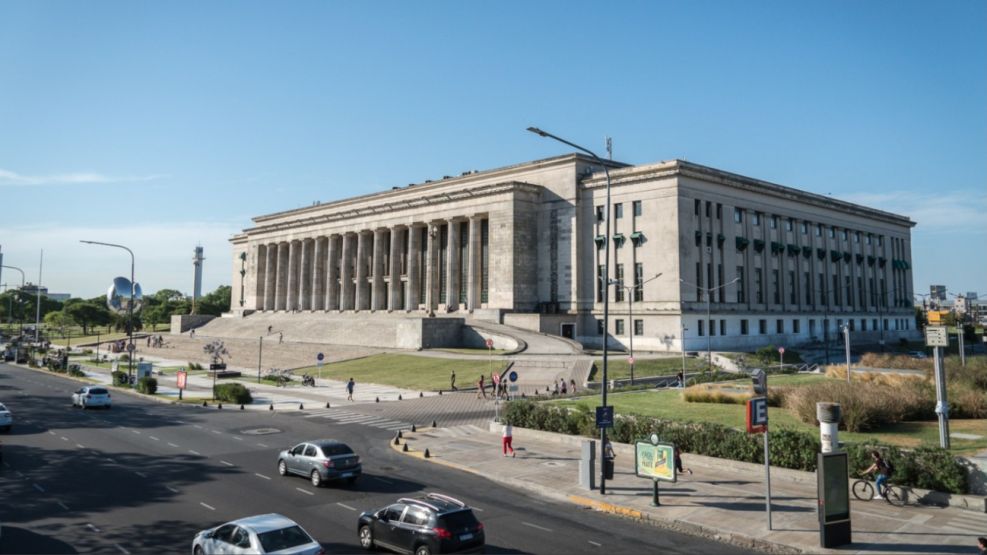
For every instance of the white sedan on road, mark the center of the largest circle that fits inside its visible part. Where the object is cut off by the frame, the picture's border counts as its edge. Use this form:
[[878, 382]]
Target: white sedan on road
[[91, 396], [270, 533], [6, 418]]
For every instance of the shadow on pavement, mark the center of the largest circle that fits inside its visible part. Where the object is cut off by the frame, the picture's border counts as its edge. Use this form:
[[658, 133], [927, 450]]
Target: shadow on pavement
[[20, 540]]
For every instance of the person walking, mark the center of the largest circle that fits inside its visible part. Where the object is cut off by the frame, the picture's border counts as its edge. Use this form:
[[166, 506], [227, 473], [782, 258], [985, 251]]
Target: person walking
[[481, 387], [269, 328], [678, 463], [572, 386], [507, 440], [349, 389], [452, 381], [280, 337], [681, 378], [564, 386], [982, 545]]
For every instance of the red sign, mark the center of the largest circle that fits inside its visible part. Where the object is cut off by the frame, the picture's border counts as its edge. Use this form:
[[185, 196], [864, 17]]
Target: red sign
[[182, 375], [630, 360], [490, 343], [781, 350], [496, 378], [757, 415]]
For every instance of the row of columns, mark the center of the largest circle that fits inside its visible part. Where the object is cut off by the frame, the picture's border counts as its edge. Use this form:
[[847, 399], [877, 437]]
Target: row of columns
[[363, 270]]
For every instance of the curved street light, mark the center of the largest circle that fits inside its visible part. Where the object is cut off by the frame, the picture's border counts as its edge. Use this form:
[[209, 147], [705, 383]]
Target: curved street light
[[130, 309], [11, 310]]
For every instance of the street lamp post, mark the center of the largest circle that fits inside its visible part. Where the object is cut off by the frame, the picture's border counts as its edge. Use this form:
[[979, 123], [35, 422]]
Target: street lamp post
[[708, 292], [631, 289], [130, 307], [606, 292], [846, 338], [12, 297]]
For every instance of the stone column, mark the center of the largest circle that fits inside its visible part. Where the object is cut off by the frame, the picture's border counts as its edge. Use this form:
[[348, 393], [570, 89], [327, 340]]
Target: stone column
[[411, 298], [281, 299], [319, 274], [377, 290], [270, 276], [260, 276], [332, 272], [431, 268], [452, 267], [346, 296], [305, 275], [473, 271], [294, 259], [362, 252], [394, 287]]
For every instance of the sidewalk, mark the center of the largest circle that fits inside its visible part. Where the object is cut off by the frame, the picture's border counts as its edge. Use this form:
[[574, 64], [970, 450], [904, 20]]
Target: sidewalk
[[722, 500]]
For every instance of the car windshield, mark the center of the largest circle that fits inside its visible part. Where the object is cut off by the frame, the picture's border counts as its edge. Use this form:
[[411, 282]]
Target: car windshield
[[285, 538], [2, 407], [330, 449], [459, 519], [97, 391]]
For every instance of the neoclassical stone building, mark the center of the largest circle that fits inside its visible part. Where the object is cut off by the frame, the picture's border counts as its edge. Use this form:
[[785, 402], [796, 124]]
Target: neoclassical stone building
[[523, 245]]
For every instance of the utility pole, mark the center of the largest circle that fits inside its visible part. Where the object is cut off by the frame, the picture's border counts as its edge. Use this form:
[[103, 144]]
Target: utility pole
[[846, 335]]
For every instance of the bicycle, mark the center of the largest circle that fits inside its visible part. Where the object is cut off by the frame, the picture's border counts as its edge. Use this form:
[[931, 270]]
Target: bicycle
[[864, 491]]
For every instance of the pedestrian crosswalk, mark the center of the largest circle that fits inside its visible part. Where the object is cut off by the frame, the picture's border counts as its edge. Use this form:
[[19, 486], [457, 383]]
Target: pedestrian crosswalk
[[343, 416]]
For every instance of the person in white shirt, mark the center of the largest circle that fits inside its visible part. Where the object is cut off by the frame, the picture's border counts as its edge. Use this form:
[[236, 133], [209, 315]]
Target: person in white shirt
[[507, 439]]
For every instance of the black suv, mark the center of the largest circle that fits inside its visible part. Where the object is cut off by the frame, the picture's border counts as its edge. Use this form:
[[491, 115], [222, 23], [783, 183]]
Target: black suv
[[435, 523]]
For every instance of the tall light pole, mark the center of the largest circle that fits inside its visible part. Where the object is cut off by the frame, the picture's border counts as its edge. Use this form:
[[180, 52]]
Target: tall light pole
[[37, 313], [631, 289], [130, 307], [846, 339], [12, 297], [606, 291], [708, 292]]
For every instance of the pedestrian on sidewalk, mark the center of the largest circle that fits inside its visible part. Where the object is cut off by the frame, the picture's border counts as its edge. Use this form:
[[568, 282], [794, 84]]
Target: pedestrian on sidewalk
[[191, 334], [280, 337], [556, 392], [349, 389], [564, 386], [149, 341], [481, 387], [572, 386], [507, 440], [681, 378], [269, 328], [452, 381], [678, 463]]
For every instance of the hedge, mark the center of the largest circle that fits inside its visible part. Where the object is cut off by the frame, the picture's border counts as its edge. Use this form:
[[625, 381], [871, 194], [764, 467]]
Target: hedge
[[120, 379], [233, 393], [147, 385], [925, 467]]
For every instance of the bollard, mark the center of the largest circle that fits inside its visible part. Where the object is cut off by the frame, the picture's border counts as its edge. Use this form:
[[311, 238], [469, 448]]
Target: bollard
[[427, 455], [220, 406], [301, 406], [205, 403], [405, 448], [397, 439], [400, 434], [241, 406], [413, 429], [327, 404], [271, 407], [399, 396], [440, 392], [434, 425], [378, 400], [420, 394]]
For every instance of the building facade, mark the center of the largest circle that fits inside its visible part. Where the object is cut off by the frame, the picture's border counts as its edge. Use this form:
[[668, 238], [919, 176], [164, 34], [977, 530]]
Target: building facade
[[524, 245]]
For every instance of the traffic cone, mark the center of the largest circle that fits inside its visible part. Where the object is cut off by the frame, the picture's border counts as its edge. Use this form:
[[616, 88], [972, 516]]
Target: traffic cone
[[413, 428], [427, 455], [220, 406], [270, 407], [301, 406], [397, 439], [405, 448], [327, 404]]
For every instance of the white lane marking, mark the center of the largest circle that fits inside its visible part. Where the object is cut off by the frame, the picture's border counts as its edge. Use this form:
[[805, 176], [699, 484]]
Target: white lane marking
[[51, 432], [345, 506], [594, 543], [216, 432], [111, 461], [122, 550], [194, 452], [91, 527], [261, 445], [154, 438], [39, 488], [136, 431], [64, 438], [172, 444], [238, 438], [141, 474], [62, 505], [80, 446], [197, 426], [171, 489], [305, 491], [227, 463], [383, 480], [535, 526], [207, 506], [19, 474], [262, 476]]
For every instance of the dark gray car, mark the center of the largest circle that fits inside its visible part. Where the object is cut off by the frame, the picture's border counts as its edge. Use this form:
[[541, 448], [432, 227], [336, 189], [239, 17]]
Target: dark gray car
[[321, 461]]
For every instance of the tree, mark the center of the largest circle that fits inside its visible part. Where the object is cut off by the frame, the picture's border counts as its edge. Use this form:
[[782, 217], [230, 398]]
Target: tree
[[215, 303], [59, 319], [88, 313]]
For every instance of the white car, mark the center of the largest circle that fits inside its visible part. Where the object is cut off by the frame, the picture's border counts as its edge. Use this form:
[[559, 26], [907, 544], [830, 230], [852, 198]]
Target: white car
[[91, 396], [270, 533], [6, 418]]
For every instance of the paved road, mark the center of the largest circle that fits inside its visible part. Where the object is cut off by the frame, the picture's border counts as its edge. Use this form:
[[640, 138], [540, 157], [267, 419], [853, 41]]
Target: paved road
[[144, 477]]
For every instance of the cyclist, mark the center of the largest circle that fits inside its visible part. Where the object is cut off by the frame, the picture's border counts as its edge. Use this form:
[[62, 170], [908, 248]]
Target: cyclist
[[882, 470]]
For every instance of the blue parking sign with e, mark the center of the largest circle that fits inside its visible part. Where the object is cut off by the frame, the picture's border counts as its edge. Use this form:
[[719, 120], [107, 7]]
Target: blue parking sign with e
[[320, 357], [512, 376], [604, 417]]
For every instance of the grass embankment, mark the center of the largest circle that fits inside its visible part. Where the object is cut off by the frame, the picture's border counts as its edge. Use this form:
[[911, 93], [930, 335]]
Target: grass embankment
[[669, 404], [474, 351], [618, 368], [408, 371]]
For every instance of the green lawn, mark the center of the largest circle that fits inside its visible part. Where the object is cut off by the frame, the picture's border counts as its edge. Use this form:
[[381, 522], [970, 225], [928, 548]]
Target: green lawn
[[668, 404], [408, 371], [477, 351], [618, 368]]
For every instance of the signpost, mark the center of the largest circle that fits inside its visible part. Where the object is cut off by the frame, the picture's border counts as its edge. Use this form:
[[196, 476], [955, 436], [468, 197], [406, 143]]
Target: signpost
[[604, 417], [181, 378], [937, 337], [512, 389], [654, 460], [757, 422], [318, 363]]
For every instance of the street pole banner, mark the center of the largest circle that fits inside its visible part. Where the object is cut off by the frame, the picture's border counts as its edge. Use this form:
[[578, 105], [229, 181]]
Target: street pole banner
[[655, 461], [182, 376]]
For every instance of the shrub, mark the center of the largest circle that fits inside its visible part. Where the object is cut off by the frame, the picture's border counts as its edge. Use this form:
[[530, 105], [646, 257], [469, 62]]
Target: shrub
[[147, 385], [124, 357], [713, 394], [76, 372], [120, 378], [866, 404], [194, 366], [234, 393]]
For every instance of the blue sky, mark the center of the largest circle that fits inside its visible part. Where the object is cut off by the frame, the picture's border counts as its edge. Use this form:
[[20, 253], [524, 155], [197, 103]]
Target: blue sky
[[166, 125]]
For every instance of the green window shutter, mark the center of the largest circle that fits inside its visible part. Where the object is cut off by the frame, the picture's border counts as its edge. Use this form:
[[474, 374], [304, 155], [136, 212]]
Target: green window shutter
[[821, 254], [776, 247], [834, 255], [793, 250], [618, 239], [741, 243], [905, 265], [637, 237], [720, 239], [758, 245], [600, 240], [806, 252]]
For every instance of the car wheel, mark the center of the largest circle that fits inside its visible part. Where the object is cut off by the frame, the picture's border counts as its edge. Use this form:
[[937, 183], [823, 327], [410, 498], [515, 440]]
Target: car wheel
[[316, 479], [282, 468], [198, 550], [423, 550], [366, 537]]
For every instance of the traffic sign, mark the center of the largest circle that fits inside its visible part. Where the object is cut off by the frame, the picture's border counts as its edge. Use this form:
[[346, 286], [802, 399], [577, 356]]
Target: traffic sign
[[630, 360], [131, 347], [320, 357], [781, 350], [936, 336], [490, 343], [757, 415], [604, 417], [496, 379], [512, 376], [182, 376], [760, 379]]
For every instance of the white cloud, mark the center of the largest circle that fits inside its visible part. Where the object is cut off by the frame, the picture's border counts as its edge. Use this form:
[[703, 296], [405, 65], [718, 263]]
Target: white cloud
[[934, 211], [163, 253], [13, 179]]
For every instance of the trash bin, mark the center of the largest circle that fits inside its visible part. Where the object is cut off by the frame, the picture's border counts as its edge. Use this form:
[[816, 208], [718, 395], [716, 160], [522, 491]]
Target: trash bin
[[608, 468]]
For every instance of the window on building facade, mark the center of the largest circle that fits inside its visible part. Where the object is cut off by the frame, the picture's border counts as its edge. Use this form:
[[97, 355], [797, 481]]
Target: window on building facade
[[618, 211], [600, 282], [822, 289], [702, 328], [757, 218], [638, 281], [762, 326], [819, 230], [723, 327], [860, 292], [776, 286], [863, 324], [699, 281], [719, 211], [789, 224], [712, 328], [870, 238], [601, 213], [805, 228], [738, 215], [779, 326], [618, 326], [808, 288], [792, 298], [796, 325], [856, 237], [832, 232], [743, 327], [709, 208], [599, 327], [774, 222], [849, 290], [696, 206], [638, 327], [758, 285], [637, 207], [844, 234], [741, 293], [720, 281], [880, 240], [836, 290], [618, 291], [851, 325]]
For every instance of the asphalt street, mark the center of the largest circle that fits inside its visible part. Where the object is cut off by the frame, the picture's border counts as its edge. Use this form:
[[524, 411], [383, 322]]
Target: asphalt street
[[144, 477]]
